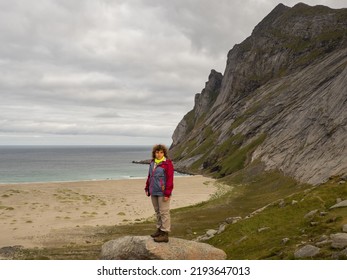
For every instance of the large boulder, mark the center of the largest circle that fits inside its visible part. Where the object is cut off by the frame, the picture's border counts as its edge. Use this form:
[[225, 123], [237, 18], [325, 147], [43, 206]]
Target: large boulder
[[144, 248], [306, 252], [339, 240]]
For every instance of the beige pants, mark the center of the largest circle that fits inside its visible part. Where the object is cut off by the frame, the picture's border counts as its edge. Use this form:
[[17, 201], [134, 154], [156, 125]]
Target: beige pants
[[162, 211]]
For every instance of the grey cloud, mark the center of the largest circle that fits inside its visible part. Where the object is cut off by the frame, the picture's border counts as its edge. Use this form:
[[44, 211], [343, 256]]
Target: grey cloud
[[108, 115], [85, 128], [103, 67]]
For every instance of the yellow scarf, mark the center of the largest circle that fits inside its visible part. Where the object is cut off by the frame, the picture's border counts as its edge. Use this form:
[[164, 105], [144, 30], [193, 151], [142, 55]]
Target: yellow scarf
[[157, 161]]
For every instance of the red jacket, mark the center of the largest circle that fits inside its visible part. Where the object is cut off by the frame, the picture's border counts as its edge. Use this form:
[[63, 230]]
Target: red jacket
[[160, 178]]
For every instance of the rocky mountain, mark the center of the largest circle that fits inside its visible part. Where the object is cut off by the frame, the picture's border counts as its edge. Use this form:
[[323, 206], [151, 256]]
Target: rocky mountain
[[282, 101]]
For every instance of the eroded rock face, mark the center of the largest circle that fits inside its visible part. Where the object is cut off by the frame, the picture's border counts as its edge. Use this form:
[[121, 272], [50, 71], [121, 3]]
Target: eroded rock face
[[203, 102], [286, 82], [144, 248]]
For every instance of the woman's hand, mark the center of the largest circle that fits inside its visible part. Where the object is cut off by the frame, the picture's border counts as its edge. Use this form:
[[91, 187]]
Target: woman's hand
[[166, 198]]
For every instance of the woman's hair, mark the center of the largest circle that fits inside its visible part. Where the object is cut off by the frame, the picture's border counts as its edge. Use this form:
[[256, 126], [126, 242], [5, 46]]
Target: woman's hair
[[159, 147]]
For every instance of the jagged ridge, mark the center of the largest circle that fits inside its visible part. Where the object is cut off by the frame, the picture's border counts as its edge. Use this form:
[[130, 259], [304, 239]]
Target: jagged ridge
[[281, 100]]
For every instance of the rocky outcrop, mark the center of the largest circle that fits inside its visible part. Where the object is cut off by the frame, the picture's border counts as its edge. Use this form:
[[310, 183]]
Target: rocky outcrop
[[306, 252], [209, 94], [203, 102], [281, 100], [311, 214], [339, 240], [341, 204], [144, 248]]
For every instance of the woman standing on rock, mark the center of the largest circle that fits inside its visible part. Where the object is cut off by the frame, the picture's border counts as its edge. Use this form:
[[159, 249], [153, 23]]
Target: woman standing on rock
[[159, 186]]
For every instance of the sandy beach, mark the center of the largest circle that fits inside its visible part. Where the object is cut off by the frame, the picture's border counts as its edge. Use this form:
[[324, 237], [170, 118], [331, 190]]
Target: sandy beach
[[31, 212]]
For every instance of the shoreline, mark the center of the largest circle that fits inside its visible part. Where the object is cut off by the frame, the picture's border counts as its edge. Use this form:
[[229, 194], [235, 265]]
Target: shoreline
[[88, 180], [70, 181], [32, 213], [178, 174]]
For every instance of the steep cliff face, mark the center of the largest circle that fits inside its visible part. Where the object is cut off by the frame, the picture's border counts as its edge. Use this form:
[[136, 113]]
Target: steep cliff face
[[282, 100], [203, 103]]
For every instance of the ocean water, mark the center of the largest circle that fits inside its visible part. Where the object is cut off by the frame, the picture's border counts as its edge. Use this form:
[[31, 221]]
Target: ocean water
[[20, 164]]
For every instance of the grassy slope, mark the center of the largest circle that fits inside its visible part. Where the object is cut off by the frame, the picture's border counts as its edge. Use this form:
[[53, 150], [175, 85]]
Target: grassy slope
[[243, 240]]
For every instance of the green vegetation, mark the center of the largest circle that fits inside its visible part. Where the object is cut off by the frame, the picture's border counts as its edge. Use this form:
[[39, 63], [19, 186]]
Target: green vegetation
[[189, 117], [244, 241], [236, 156], [2, 207], [178, 152], [303, 10], [201, 120], [192, 148], [191, 145]]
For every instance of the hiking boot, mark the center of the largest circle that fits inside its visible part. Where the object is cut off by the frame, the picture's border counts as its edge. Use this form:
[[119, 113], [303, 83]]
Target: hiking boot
[[157, 233], [164, 237]]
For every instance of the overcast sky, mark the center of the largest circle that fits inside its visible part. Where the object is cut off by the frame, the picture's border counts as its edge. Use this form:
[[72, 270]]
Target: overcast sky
[[109, 72]]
